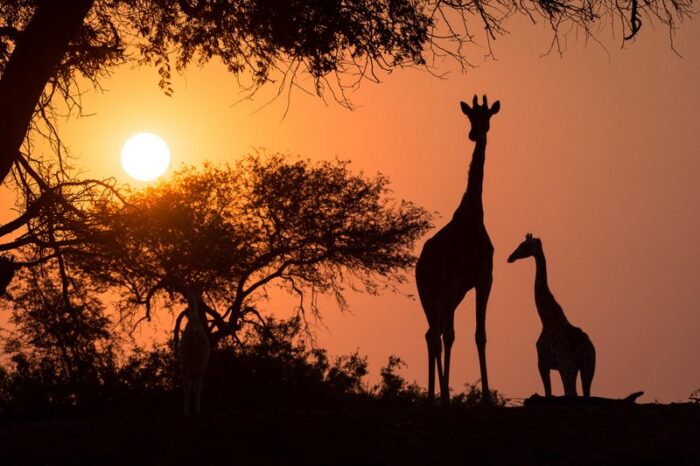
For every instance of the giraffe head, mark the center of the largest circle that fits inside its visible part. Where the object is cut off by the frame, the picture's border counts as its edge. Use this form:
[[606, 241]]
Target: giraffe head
[[479, 116], [527, 248]]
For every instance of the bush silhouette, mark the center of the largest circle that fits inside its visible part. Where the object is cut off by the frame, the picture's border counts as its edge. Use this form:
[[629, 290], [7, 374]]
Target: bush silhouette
[[270, 367]]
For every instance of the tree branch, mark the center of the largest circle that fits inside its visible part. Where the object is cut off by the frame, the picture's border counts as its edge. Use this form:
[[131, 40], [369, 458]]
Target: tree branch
[[11, 33], [32, 211]]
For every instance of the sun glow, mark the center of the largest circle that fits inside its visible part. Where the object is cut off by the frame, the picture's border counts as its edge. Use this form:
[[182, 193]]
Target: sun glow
[[145, 156]]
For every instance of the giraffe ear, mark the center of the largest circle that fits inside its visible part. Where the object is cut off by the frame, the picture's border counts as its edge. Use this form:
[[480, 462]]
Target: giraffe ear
[[465, 108], [495, 107]]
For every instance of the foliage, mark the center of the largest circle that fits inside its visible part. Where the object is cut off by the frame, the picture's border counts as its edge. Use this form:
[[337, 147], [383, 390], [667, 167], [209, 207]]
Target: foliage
[[275, 367], [471, 396], [394, 389], [271, 41], [45, 46], [235, 231], [271, 367], [62, 349], [695, 396]]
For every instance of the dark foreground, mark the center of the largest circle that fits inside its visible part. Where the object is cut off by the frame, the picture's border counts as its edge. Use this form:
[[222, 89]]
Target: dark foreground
[[640, 434]]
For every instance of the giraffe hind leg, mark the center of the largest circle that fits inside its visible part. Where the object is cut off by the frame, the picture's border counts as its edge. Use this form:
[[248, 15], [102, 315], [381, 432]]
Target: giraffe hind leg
[[544, 374], [448, 338], [432, 339], [438, 361], [587, 372], [568, 379]]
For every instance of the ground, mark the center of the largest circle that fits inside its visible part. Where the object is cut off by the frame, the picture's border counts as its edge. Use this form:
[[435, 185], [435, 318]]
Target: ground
[[649, 434]]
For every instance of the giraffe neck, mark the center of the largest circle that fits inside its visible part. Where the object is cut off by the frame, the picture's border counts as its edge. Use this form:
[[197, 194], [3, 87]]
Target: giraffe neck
[[471, 201], [193, 315], [551, 314]]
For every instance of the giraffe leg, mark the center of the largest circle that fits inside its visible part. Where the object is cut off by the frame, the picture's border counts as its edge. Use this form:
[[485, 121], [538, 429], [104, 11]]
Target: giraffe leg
[[448, 338], [587, 371], [544, 374], [432, 358], [482, 298], [568, 379], [437, 342], [186, 388], [198, 392]]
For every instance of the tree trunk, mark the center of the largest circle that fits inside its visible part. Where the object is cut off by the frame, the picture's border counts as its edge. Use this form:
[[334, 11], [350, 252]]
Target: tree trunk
[[35, 59]]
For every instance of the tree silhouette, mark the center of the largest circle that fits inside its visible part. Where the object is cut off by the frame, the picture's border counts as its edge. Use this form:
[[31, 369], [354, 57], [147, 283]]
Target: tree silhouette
[[235, 231], [45, 230], [61, 349], [46, 44]]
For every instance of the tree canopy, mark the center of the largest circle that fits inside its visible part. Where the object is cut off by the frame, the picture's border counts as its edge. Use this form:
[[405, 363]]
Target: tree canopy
[[47, 45], [233, 231]]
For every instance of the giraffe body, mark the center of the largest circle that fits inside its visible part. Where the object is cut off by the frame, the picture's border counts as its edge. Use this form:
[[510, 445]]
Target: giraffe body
[[561, 346], [193, 353], [458, 258]]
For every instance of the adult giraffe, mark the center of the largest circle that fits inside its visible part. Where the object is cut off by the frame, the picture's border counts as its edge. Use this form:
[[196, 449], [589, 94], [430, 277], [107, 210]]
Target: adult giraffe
[[458, 258], [193, 351]]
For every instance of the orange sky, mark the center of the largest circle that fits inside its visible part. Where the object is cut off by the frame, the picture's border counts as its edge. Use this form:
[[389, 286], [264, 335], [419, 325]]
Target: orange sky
[[598, 155]]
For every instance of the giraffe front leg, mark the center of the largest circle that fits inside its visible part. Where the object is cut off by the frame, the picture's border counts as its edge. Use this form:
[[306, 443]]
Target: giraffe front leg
[[186, 388], [568, 379], [587, 371], [482, 298], [198, 383], [448, 339], [544, 374]]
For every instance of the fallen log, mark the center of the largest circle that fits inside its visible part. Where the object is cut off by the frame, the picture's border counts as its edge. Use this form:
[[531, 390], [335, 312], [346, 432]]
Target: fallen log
[[539, 400]]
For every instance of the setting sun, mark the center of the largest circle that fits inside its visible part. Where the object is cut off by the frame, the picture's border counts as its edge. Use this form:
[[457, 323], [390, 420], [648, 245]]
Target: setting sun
[[145, 156]]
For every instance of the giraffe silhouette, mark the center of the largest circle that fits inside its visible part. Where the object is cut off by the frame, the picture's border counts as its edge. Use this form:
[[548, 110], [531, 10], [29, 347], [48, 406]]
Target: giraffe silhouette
[[193, 351], [456, 259], [561, 346]]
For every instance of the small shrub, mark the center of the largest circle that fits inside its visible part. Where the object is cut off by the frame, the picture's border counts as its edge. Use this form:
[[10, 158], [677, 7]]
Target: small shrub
[[393, 388], [695, 396], [471, 396]]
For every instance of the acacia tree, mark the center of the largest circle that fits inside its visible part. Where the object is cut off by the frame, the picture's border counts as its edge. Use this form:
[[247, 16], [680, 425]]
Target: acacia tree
[[61, 352], [235, 231], [46, 45]]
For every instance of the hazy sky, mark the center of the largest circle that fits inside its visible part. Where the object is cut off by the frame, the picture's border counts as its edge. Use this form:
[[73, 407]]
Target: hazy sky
[[595, 152]]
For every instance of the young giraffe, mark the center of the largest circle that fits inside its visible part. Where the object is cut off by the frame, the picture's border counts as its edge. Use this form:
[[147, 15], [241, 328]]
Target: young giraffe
[[458, 258], [561, 346], [193, 352]]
